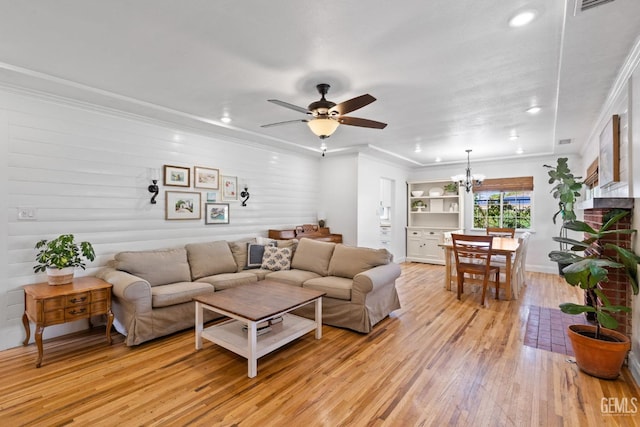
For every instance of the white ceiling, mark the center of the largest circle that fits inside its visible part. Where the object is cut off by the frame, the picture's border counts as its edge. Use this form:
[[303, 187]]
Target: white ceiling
[[448, 75]]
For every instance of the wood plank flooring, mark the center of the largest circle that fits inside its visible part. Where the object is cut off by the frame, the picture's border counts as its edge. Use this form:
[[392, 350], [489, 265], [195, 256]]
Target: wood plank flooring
[[435, 362]]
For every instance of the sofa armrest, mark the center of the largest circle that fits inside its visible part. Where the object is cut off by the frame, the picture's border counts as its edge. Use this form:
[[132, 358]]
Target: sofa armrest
[[128, 287], [372, 279]]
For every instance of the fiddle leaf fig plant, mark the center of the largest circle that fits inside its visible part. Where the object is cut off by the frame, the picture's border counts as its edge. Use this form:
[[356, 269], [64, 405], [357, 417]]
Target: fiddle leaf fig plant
[[62, 252], [589, 270], [566, 190]]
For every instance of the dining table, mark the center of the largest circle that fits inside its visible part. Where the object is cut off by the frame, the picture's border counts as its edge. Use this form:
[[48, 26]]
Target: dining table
[[506, 246]]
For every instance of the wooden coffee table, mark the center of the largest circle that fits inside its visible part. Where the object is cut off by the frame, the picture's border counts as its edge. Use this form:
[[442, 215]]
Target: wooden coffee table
[[252, 305]]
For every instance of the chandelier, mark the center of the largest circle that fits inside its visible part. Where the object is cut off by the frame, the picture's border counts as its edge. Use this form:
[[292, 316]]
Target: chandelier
[[468, 180]]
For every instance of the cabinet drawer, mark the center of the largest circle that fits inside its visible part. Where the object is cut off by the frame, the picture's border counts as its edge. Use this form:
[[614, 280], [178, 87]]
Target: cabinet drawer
[[53, 304], [77, 299], [99, 307], [53, 317], [76, 312], [100, 295]]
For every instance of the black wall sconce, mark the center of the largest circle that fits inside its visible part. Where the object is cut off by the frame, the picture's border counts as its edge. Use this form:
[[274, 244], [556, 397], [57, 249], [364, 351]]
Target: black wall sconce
[[153, 188], [245, 195]]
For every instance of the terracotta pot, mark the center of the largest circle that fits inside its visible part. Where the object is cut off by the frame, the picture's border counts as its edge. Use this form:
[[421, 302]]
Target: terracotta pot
[[60, 276], [599, 358]]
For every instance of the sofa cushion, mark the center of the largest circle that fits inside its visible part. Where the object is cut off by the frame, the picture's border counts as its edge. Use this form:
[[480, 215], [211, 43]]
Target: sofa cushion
[[229, 280], [347, 261], [239, 251], [335, 287], [210, 258], [159, 267], [259, 273], [178, 293], [255, 252], [276, 259], [313, 255], [292, 277]]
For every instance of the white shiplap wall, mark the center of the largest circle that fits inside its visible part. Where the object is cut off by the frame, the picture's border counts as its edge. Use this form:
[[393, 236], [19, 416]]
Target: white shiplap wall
[[86, 172]]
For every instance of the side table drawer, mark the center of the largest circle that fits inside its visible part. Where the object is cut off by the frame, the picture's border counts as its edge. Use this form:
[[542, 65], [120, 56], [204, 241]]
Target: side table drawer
[[78, 299], [53, 317], [53, 304], [100, 295], [76, 312], [99, 307]]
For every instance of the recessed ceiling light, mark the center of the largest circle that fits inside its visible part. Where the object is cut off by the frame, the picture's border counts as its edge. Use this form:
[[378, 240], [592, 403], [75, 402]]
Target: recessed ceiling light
[[523, 18], [519, 150], [534, 110], [418, 149], [225, 119], [438, 159], [514, 137]]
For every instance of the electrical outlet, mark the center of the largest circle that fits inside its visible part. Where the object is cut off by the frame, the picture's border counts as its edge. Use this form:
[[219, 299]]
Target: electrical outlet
[[27, 213]]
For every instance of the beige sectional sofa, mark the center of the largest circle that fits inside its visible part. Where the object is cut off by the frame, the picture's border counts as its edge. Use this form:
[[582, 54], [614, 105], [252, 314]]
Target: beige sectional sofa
[[153, 290]]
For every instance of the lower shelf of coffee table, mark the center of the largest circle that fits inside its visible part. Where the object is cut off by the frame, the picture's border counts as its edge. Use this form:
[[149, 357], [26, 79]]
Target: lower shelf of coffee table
[[231, 336]]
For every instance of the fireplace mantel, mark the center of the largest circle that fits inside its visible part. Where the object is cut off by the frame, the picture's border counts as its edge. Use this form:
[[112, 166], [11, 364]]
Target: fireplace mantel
[[606, 203]]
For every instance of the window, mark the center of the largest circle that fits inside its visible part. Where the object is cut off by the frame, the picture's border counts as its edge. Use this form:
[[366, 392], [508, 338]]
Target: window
[[503, 202]]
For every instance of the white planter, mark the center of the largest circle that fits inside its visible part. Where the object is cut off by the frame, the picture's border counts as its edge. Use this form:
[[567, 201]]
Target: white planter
[[60, 276]]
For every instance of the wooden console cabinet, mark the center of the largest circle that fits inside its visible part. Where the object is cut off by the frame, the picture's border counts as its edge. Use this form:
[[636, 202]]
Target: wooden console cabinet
[[47, 305], [308, 231]]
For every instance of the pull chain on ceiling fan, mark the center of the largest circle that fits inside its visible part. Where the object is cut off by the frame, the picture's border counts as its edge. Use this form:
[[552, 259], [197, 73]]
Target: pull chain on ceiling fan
[[327, 115]]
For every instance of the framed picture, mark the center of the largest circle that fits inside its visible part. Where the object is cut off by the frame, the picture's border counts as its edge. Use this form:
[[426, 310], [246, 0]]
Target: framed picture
[[609, 156], [216, 213], [177, 176], [212, 196], [182, 205], [206, 177], [229, 188]]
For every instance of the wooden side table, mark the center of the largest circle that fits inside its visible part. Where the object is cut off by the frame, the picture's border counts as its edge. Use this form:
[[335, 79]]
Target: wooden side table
[[47, 305]]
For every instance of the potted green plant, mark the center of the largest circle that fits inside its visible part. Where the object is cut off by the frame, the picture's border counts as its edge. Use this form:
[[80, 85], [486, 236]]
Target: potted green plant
[[59, 258], [566, 191], [600, 351], [451, 188]]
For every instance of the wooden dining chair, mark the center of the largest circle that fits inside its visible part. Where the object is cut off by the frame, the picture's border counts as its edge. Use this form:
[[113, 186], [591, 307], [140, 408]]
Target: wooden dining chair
[[501, 232], [473, 257]]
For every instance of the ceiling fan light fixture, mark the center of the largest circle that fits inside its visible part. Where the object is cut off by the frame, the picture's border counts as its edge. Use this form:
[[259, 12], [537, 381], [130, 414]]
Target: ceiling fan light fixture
[[323, 127]]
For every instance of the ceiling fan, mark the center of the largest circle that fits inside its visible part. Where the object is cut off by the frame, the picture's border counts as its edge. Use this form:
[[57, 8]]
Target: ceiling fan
[[327, 115]]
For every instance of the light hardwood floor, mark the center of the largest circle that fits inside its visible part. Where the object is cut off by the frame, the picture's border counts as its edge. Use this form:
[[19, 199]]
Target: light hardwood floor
[[435, 362]]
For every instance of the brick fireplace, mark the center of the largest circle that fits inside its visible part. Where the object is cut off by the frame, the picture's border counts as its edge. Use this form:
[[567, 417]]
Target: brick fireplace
[[617, 289]]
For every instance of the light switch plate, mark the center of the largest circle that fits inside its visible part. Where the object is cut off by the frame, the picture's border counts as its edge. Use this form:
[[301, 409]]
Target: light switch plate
[[27, 214]]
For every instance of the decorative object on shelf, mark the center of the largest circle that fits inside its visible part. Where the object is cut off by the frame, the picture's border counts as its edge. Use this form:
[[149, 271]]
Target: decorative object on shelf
[[206, 178], [229, 188], [322, 219], [154, 189], [418, 205], [451, 188], [245, 195], [182, 205], [599, 352], [177, 176], [468, 180], [216, 213], [435, 192], [60, 256], [417, 193]]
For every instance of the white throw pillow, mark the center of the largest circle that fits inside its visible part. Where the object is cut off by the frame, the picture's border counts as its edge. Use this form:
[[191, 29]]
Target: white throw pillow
[[276, 259]]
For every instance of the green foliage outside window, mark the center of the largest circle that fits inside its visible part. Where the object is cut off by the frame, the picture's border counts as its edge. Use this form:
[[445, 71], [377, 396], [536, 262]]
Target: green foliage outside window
[[502, 209]]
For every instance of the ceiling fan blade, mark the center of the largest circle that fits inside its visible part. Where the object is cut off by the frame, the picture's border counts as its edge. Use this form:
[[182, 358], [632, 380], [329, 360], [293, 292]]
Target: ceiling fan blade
[[289, 106], [353, 104], [284, 123], [365, 123]]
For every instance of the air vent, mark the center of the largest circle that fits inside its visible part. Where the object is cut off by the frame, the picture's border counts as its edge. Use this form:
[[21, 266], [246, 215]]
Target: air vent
[[589, 4], [564, 142]]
